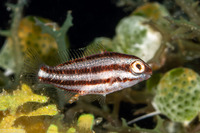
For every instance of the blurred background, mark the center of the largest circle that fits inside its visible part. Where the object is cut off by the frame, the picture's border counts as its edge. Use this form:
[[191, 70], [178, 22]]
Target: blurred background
[[91, 18]]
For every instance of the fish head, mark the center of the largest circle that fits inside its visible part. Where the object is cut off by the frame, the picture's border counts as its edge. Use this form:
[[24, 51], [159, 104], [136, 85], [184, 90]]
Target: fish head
[[140, 69]]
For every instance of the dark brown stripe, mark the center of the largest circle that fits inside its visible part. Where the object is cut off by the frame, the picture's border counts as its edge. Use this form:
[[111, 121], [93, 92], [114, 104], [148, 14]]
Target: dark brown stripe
[[84, 82], [91, 70], [101, 55], [44, 68]]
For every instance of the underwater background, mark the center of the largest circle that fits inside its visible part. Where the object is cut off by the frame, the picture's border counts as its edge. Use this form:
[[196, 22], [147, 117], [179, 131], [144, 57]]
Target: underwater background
[[164, 33]]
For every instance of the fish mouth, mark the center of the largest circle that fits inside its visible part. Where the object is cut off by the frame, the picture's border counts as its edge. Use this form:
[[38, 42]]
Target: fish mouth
[[148, 71], [148, 76]]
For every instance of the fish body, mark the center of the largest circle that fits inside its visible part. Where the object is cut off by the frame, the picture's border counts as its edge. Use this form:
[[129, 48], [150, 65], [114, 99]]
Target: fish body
[[89, 70], [101, 73]]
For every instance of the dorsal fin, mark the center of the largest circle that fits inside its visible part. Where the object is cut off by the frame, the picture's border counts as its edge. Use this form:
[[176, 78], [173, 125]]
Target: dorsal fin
[[33, 60], [94, 49], [71, 54]]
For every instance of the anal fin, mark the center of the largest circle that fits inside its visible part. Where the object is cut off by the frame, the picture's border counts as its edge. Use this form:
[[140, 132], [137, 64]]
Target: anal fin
[[94, 97], [66, 96]]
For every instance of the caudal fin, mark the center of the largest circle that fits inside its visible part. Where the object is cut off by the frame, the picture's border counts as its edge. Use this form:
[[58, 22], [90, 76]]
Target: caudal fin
[[32, 64]]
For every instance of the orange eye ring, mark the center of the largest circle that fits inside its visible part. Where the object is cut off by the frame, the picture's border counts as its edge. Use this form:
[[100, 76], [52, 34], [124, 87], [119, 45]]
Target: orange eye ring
[[137, 67]]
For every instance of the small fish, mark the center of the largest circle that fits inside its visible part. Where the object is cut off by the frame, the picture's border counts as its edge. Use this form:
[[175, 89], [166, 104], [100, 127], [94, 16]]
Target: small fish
[[94, 72]]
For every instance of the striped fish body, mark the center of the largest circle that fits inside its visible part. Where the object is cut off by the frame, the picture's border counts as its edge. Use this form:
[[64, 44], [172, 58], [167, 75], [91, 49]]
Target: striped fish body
[[101, 73]]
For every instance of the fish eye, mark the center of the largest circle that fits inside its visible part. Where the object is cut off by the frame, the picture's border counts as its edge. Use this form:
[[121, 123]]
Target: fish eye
[[137, 67]]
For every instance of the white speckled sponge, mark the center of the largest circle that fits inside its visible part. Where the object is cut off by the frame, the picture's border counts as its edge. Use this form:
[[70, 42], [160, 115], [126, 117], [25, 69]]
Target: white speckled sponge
[[178, 95]]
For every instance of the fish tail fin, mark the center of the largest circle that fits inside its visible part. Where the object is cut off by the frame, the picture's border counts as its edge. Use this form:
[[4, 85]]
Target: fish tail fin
[[30, 69]]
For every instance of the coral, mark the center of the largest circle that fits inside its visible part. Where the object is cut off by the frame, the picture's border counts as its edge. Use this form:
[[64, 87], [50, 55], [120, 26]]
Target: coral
[[18, 98], [52, 129], [71, 130], [177, 95], [85, 122], [13, 109], [16, 115], [84, 125]]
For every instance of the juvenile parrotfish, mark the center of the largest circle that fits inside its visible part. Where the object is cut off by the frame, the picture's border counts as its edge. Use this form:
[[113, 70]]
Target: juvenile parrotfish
[[94, 72]]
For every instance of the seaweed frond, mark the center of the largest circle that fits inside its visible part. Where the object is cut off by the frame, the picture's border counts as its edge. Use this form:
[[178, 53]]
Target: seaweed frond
[[59, 35], [17, 15], [190, 8]]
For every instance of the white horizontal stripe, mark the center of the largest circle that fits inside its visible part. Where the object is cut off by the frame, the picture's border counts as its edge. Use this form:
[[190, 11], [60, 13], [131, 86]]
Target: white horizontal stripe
[[43, 74], [89, 76]]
